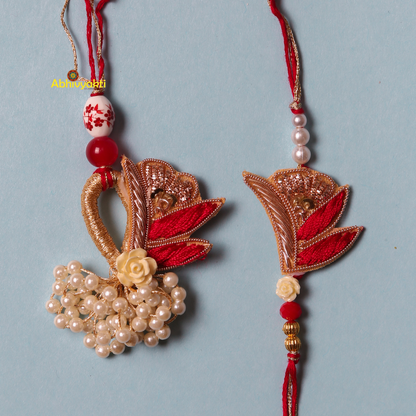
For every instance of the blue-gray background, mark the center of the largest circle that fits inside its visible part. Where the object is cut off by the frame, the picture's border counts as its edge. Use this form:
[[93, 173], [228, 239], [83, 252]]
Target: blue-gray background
[[203, 85]]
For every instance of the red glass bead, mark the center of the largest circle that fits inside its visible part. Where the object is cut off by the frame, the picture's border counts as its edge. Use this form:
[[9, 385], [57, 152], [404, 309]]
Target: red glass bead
[[102, 151], [290, 311]]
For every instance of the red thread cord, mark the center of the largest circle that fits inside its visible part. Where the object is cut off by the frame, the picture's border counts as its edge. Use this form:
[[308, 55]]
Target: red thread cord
[[177, 254], [181, 221], [290, 386], [321, 218], [106, 178], [98, 9], [89, 42], [289, 52]]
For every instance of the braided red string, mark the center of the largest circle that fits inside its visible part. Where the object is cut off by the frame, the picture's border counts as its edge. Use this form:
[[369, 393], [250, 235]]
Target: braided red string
[[290, 59], [290, 373]]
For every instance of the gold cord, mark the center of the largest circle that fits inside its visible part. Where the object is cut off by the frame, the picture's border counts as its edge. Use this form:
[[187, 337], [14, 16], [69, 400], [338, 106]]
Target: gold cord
[[297, 91]]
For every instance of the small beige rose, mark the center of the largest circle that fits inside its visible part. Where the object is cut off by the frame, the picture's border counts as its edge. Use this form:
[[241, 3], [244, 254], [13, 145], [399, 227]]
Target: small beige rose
[[288, 288], [135, 268]]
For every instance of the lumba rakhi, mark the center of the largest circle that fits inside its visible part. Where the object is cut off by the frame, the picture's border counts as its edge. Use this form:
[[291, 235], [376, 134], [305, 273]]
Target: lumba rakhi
[[303, 206], [140, 297]]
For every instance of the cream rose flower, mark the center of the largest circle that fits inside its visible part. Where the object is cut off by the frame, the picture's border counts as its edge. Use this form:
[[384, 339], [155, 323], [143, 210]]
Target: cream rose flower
[[135, 268], [288, 288]]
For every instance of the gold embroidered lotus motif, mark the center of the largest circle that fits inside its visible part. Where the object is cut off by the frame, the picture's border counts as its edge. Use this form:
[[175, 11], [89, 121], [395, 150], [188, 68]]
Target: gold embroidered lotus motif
[[304, 206]]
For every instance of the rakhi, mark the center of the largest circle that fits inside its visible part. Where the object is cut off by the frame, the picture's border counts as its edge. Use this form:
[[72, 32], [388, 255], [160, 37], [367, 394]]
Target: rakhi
[[140, 297], [303, 206]]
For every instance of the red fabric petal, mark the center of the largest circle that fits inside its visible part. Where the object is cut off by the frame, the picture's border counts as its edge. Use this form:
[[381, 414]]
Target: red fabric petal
[[325, 249], [182, 221], [178, 254], [321, 218]]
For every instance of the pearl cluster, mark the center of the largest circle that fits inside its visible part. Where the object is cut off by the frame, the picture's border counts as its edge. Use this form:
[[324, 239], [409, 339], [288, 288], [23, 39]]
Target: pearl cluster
[[112, 315], [300, 136]]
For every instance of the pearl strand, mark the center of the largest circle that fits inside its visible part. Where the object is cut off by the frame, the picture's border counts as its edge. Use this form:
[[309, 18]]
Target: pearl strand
[[300, 136]]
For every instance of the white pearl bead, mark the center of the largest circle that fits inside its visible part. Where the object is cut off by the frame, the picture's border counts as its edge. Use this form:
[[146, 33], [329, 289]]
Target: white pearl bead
[[83, 292], [170, 279], [101, 325], [115, 321], [74, 266], [151, 339], [89, 341], [301, 155], [58, 287], [123, 335], [76, 280], [98, 108], [134, 339], [91, 282], [299, 120], [153, 299], [68, 300], [165, 288], [52, 305], [60, 321], [300, 136], [135, 298], [164, 302], [139, 324], [178, 308], [90, 301], [163, 333], [72, 312], [178, 293], [143, 310], [145, 291], [88, 326], [120, 304], [117, 347], [163, 313], [100, 308], [60, 272], [109, 293], [156, 323], [103, 351], [130, 313], [82, 308], [154, 284], [103, 337], [76, 324]]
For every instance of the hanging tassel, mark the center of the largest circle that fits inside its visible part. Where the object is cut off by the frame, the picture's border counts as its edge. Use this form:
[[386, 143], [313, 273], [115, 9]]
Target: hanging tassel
[[290, 386]]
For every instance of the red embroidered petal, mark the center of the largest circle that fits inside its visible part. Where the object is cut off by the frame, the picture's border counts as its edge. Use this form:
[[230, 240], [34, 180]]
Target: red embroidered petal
[[178, 254], [183, 221], [322, 217], [328, 248]]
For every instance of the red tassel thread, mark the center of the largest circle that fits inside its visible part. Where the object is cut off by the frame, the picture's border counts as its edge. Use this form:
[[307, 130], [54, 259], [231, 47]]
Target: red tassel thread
[[290, 386]]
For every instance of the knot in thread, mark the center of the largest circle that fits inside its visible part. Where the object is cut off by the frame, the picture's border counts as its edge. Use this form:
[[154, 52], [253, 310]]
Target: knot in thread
[[294, 357]]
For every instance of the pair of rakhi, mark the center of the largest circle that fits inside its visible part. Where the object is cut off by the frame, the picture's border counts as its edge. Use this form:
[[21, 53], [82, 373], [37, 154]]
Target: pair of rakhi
[[141, 296]]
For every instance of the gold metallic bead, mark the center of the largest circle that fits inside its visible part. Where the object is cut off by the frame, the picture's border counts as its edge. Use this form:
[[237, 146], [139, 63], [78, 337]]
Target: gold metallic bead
[[291, 328], [292, 343]]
